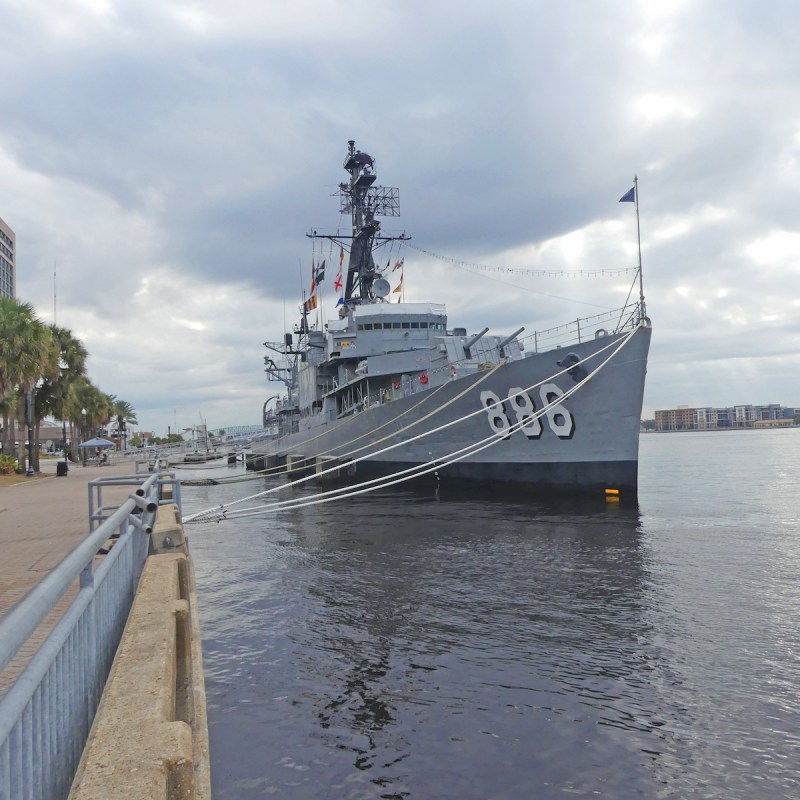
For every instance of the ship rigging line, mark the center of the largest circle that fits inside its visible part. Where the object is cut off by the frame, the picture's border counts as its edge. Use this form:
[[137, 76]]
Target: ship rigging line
[[412, 472], [411, 439], [346, 454], [613, 272], [280, 470], [413, 424], [427, 396], [527, 288], [222, 511], [430, 414], [305, 459]]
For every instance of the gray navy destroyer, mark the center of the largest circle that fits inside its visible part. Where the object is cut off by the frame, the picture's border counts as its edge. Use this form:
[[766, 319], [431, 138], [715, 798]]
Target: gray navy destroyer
[[390, 389]]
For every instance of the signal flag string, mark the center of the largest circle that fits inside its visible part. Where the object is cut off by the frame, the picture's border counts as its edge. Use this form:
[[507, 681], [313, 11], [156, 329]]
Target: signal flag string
[[613, 272]]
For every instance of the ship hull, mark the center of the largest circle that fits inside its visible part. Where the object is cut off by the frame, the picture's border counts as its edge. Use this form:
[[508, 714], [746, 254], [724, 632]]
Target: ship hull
[[588, 442]]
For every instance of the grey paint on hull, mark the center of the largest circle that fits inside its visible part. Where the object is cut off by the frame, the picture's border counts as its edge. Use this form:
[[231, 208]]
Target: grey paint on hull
[[590, 476], [602, 450]]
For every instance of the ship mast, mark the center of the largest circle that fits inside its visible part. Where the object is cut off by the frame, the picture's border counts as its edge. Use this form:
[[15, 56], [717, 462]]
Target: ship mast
[[364, 202], [361, 266]]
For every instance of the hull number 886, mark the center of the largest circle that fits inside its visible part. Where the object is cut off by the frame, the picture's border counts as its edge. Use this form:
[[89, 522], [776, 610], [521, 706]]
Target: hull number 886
[[519, 411]]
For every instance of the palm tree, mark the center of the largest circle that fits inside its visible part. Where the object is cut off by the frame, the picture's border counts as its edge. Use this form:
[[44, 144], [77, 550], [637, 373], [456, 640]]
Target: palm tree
[[28, 353], [124, 412], [87, 407], [8, 406], [52, 395]]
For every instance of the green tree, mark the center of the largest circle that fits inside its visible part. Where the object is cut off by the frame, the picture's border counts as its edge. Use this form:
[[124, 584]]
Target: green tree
[[124, 413], [88, 408], [28, 353], [8, 407], [52, 396]]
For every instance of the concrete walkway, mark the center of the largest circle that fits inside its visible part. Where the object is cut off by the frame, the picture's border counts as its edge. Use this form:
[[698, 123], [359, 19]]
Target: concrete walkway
[[41, 521]]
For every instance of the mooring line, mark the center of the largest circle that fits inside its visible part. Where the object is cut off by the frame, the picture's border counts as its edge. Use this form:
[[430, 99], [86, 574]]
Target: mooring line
[[420, 469], [438, 463]]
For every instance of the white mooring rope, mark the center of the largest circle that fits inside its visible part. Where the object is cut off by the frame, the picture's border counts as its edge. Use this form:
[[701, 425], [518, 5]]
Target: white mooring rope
[[222, 511]]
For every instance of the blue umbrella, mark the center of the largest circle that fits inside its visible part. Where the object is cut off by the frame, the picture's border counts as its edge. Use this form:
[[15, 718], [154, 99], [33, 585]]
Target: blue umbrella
[[98, 443]]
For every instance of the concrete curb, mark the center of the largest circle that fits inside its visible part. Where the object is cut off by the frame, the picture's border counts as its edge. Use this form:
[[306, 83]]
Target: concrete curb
[[149, 738]]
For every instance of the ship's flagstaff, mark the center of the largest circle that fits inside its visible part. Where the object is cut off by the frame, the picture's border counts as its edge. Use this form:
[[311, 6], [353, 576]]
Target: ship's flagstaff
[[639, 243], [633, 196]]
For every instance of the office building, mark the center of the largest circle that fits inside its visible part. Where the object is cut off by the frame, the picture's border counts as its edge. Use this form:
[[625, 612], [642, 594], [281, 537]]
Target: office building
[[8, 260]]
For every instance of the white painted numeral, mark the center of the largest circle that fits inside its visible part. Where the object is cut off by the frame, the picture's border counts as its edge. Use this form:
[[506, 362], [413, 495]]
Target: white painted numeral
[[559, 419], [498, 421], [525, 410]]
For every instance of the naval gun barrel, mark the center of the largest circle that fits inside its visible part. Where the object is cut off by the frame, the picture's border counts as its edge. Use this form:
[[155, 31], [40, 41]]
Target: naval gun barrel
[[471, 341], [510, 339]]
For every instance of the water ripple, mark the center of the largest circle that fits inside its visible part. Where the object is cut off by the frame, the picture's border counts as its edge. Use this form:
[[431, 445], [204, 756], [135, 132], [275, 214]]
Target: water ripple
[[405, 647]]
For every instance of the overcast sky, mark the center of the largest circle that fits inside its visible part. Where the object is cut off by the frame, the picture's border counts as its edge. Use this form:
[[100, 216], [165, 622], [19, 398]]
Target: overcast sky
[[169, 158]]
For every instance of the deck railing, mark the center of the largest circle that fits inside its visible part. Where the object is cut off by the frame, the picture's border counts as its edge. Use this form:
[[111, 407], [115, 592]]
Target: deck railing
[[46, 714], [580, 330]]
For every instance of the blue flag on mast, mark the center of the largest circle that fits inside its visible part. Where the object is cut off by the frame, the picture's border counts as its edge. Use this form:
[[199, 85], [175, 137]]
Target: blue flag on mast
[[629, 196]]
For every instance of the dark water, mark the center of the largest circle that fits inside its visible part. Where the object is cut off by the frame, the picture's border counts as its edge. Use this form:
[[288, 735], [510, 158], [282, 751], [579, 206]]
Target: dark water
[[407, 647]]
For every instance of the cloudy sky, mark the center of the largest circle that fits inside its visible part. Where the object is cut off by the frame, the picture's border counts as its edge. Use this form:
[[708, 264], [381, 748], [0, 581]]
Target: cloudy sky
[[169, 157]]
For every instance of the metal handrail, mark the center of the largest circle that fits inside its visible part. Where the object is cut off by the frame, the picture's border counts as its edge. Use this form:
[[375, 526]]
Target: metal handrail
[[99, 512], [22, 620], [618, 320], [46, 714]]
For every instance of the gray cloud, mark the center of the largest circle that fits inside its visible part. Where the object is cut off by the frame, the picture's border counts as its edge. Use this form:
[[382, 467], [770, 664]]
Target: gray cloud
[[172, 157]]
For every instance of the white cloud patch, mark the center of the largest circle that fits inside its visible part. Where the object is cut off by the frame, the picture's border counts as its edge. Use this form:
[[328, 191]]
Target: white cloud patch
[[776, 248]]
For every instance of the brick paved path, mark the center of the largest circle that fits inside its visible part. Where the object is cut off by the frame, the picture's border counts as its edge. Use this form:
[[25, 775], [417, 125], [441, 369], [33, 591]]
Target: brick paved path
[[41, 521]]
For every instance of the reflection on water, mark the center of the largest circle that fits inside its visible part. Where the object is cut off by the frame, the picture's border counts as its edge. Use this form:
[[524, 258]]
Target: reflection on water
[[452, 647]]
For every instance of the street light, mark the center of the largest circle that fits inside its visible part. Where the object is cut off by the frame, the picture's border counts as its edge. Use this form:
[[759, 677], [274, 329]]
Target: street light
[[64, 444], [83, 428], [29, 415]]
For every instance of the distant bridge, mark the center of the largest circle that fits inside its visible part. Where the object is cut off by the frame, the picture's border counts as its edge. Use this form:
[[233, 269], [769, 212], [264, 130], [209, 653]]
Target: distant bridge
[[236, 430], [242, 435]]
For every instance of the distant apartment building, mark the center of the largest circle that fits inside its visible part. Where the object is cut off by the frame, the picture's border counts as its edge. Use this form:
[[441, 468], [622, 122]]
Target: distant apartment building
[[681, 418], [8, 272], [684, 418]]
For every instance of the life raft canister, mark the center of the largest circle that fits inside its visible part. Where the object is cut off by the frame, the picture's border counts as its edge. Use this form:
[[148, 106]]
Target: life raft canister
[[423, 378]]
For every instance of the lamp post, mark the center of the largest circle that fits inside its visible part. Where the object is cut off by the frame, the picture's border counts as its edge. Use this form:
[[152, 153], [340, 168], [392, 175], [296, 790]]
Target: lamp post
[[64, 444], [83, 429], [29, 420]]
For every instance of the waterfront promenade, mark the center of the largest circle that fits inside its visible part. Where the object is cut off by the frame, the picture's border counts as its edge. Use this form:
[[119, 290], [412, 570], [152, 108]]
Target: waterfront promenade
[[149, 737], [41, 521]]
